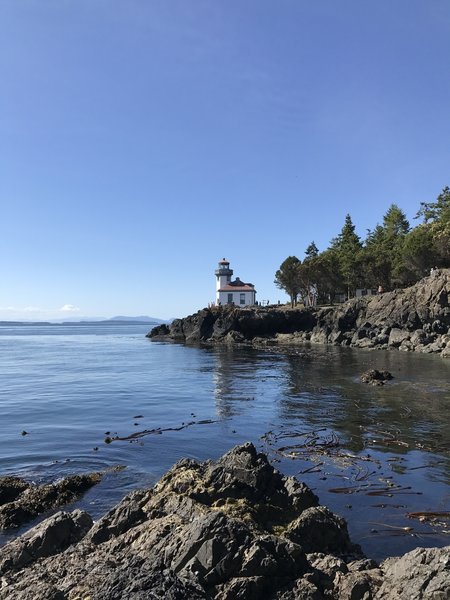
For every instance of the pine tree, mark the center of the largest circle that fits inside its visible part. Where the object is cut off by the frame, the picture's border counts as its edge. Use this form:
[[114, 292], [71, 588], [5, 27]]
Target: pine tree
[[312, 251], [436, 216], [348, 249], [383, 252]]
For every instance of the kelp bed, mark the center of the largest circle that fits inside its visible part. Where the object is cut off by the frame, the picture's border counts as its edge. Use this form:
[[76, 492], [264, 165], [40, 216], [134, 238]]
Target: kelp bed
[[362, 470]]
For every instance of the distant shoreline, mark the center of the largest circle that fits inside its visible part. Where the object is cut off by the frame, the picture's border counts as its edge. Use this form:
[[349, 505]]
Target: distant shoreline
[[65, 323]]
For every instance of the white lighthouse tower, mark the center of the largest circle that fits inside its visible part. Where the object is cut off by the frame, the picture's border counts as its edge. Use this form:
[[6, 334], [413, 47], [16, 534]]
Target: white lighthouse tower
[[234, 292], [223, 276]]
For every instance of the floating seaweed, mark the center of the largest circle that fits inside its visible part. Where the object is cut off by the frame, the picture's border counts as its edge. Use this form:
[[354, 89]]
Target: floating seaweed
[[424, 515], [156, 431]]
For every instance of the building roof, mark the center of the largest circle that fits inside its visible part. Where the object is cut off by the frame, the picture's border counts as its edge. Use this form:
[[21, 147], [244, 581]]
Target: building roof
[[237, 286], [233, 286], [224, 261]]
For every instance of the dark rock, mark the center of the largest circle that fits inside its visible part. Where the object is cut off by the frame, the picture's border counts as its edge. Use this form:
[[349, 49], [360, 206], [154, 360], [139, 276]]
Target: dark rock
[[34, 500], [11, 488], [40, 591], [317, 529], [49, 537], [358, 585], [226, 530], [302, 590], [364, 564], [159, 331], [375, 377], [327, 564], [120, 519]]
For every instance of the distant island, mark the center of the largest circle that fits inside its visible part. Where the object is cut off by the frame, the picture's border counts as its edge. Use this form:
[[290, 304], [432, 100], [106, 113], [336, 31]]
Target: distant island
[[91, 321]]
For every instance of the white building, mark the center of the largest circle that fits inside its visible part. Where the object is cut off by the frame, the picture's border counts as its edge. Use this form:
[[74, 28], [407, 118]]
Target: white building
[[232, 292]]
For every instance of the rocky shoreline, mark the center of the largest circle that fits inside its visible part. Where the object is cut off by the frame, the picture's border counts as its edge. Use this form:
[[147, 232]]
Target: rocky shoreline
[[415, 319], [21, 501], [231, 529]]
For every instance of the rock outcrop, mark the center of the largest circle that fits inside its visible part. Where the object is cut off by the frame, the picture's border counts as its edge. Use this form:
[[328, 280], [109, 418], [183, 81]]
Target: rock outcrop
[[412, 319], [21, 501], [229, 530], [376, 377]]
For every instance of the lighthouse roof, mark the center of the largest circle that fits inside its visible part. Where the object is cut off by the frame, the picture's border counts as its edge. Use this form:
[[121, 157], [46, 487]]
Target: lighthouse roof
[[237, 286], [224, 261]]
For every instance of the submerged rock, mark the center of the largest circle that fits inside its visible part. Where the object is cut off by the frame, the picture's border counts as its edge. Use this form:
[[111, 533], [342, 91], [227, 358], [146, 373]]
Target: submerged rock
[[376, 377], [226, 530]]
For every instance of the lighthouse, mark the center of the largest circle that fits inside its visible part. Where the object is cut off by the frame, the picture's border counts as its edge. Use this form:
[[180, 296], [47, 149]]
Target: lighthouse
[[234, 292], [223, 274]]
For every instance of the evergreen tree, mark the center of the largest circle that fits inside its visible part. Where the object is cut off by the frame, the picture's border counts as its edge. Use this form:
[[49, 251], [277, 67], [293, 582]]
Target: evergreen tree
[[347, 247], [376, 261], [326, 275], [288, 279], [419, 253], [395, 223], [383, 258], [312, 251], [436, 211], [437, 216], [396, 227]]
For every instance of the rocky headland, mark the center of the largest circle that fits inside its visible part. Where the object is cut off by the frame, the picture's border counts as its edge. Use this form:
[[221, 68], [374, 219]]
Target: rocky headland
[[231, 529], [412, 319]]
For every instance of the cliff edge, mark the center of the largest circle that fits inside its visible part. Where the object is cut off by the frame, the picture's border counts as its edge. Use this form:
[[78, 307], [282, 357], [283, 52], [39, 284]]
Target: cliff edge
[[411, 319]]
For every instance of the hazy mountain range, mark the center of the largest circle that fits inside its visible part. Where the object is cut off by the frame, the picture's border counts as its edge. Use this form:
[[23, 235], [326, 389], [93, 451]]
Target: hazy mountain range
[[73, 320]]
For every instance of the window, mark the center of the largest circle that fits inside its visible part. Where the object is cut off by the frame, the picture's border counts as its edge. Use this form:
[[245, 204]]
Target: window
[[230, 298], [242, 299], [228, 277]]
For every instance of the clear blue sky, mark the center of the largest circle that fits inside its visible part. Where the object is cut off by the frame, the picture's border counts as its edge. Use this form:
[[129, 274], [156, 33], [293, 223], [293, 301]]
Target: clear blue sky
[[141, 141]]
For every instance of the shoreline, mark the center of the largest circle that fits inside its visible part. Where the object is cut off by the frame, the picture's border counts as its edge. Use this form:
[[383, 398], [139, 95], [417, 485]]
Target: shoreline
[[415, 319], [226, 529]]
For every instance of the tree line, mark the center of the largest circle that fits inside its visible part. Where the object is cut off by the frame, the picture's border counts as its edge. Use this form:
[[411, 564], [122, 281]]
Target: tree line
[[392, 255]]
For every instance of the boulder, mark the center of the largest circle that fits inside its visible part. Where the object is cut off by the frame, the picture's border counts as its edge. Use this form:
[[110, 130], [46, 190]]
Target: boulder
[[376, 377], [49, 537], [397, 337], [317, 529], [421, 573]]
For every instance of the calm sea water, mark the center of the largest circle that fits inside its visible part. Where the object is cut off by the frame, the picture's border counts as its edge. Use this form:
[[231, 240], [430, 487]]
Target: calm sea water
[[71, 386]]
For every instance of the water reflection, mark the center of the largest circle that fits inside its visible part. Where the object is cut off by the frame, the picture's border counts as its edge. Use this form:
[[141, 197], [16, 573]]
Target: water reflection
[[234, 384], [373, 454], [413, 411]]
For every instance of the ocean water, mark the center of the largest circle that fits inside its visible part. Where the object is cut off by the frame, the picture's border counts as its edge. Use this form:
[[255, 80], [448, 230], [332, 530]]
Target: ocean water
[[372, 454]]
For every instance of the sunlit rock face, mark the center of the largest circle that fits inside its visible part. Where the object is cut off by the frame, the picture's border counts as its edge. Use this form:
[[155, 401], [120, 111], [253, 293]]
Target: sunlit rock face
[[230, 529], [413, 319]]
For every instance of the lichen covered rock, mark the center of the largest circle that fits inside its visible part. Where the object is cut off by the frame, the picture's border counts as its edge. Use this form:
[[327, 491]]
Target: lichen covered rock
[[226, 530]]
